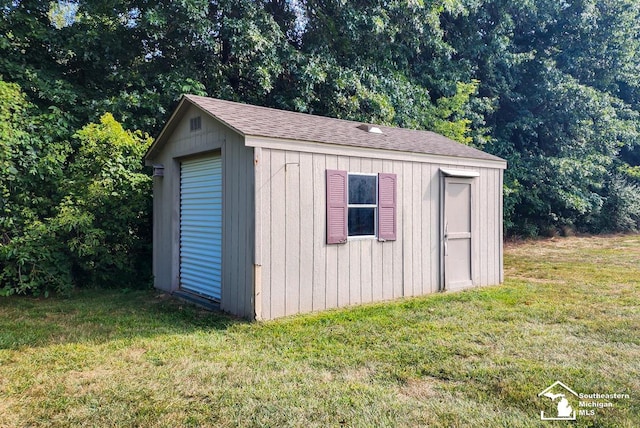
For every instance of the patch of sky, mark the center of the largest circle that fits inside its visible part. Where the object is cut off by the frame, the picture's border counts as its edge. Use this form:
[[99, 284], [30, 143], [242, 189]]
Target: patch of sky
[[63, 13]]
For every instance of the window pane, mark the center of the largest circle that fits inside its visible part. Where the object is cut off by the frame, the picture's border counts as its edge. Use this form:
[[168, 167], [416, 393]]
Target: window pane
[[362, 221], [362, 189]]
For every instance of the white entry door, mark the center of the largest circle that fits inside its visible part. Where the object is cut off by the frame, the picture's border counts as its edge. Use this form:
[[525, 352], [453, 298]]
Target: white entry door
[[457, 233], [201, 226]]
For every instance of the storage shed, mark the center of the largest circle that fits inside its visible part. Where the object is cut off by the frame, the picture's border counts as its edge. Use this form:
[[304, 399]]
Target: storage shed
[[269, 213]]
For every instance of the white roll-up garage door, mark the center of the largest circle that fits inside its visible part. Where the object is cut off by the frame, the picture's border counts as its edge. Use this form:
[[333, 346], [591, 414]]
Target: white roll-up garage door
[[201, 226]]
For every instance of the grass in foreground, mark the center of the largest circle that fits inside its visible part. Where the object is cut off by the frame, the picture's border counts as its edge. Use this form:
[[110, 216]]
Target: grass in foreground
[[569, 311]]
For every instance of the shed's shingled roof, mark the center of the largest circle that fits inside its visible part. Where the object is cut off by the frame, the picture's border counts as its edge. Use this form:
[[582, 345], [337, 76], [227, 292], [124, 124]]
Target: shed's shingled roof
[[250, 120]]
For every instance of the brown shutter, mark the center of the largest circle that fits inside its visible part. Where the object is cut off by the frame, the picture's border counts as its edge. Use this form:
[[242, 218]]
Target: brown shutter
[[336, 206], [387, 207]]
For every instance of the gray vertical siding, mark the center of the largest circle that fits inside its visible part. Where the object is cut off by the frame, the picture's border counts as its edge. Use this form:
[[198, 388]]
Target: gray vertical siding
[[162, 237], [306, 224], [238, 234], [301, 273], [238, 209], [320, 275]]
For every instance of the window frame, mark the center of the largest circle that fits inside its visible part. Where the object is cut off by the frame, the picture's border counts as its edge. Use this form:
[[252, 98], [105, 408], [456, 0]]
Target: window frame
[[374, 206], [386, 216]]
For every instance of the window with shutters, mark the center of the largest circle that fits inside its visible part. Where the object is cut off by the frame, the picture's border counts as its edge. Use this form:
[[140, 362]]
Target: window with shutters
[[360, 206]]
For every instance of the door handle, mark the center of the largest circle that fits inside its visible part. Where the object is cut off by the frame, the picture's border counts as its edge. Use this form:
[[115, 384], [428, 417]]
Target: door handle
[[446, 238]]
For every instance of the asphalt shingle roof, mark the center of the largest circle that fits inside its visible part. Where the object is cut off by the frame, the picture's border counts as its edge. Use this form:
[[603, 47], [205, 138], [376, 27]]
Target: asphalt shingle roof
[[250, 120]]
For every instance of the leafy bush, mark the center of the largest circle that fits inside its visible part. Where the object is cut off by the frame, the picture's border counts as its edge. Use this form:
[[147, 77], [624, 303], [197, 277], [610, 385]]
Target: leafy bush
[[74, 212], [35, 262], [30, 169], [106, 214], [621, 209]]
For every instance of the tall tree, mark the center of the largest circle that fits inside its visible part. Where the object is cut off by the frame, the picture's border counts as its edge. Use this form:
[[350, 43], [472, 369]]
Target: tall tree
[[563, 113]]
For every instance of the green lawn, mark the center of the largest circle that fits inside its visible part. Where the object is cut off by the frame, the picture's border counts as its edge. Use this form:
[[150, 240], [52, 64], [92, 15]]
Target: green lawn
[[569, 311]]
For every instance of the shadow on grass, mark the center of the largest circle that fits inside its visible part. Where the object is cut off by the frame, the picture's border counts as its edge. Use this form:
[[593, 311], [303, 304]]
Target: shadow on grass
[[97, 316]]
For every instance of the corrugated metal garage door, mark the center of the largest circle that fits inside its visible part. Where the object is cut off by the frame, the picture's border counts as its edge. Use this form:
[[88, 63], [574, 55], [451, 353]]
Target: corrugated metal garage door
[[201, 226]]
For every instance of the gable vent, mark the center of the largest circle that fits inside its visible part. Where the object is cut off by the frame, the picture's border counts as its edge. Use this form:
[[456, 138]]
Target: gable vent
[[195, 123], [370, 128]]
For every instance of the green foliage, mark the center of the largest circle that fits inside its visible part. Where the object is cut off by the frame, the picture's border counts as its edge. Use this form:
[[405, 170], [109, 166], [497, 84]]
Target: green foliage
[[450, 113], [73, 213], [35, 261], [566, 111], [621, 206], [30, 172], [107, 210]]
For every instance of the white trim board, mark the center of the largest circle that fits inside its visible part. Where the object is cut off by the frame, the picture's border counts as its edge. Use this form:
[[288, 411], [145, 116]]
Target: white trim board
[[365, 152]]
